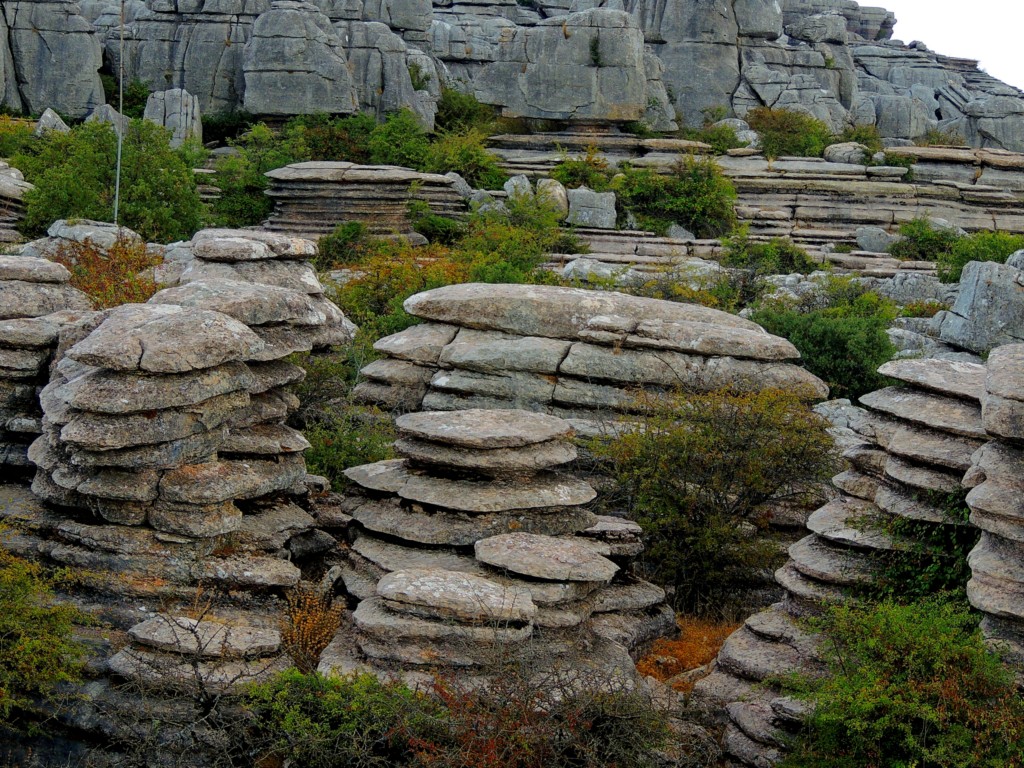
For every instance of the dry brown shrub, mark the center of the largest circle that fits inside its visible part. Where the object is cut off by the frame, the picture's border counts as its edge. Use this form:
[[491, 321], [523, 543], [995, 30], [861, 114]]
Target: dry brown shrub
[[310, 624], [123, 274], [698, 643]]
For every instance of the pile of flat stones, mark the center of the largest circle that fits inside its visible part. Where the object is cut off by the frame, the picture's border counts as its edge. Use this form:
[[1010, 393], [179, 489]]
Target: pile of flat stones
[[577, 354], [473, 542], [917, 440], [35, 302], [139, 456], [996, 499], [311, 199]]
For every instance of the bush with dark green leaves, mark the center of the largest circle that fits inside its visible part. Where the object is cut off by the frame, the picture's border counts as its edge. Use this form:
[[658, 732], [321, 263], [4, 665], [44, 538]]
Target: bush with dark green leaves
[[979, 246], [923, 241], [136, 94], [333, 138], [786, 133], [840, 333], [696, 195], [400, 140], [589, 170], [74, 176], [457, 111], [464, 152], [778, 256], [909, 685]]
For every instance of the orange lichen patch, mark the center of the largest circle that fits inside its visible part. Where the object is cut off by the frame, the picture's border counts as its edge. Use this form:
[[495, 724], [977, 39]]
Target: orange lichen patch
[[698, 643]]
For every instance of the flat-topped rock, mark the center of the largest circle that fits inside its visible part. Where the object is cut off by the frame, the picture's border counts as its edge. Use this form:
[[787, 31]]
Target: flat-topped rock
[[207, 638], [386, 476], [532, 458], [841, 567], [1006, 372], [936, 411], [930, 446], [550, 311], [249, 303], [901, 502], [546, 557], [947, 377], [448, 595], [389, 556], [498, 495], [850, 522], [341, 171], [376, 619], [19, 298], [32, 270], [163, 338], [483, 429], [292, 275], [281, 245], [920, 477], [34, 332], [421, 343]]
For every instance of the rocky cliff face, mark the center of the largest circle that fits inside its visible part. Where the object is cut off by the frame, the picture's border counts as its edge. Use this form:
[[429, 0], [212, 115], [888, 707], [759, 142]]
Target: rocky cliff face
[[585, 61]]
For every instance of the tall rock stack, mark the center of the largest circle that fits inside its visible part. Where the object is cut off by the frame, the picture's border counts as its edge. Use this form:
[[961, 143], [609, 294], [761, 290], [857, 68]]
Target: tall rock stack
[[577, 354], [904, 481], [138, 408], [477, 508], [35, 301], [996, 499]]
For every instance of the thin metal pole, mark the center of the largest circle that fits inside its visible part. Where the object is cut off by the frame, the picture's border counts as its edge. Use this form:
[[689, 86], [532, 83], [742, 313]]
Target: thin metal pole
[[120, 122]]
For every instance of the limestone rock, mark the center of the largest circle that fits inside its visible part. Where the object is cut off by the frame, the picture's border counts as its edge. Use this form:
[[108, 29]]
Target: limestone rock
[[588, 208], [177, 110], [482, 429], [207, 638], [446, 595], [545, 557]]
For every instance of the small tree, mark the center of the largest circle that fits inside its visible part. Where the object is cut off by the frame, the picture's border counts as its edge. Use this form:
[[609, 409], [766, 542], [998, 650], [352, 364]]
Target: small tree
[[701, 475]]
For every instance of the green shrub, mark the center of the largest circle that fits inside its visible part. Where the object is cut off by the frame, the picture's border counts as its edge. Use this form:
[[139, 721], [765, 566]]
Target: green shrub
[[587, 170], [785, 133], [840, 333], [16, 136], [778, 256], [440, 229], [704, 469], [695, 195], [867, 135], [923, 241], [225, 126], [400, 140], [910, 685], [457, 111], [37, 650], [341, 246], [74, 175], [136, 94], [935, 137], [348, 437], [979, 246], [463, 151], [722, 138], [922, 309], [333, 138]]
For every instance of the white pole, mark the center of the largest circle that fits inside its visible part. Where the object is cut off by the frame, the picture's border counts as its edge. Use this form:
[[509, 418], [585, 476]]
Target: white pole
[[119, 127]]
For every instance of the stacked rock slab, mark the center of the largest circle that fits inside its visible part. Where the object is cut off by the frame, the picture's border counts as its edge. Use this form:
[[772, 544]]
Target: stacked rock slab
[[265, 281], [474, 541], [918, 439], [572, 353], [311, 199], [35, 301], [139, 406], [996, 499]]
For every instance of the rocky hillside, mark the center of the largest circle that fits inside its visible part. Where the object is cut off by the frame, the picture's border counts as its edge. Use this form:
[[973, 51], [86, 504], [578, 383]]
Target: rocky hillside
[[584, 61]]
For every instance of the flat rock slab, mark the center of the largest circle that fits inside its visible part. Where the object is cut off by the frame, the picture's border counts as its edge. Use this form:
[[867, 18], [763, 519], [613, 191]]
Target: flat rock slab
[[947, 377], [163, 338], [921, 477], [1003, 417], [498, 495], [898, 501], [930, 446], [383, 476], [850, 522], [284, 246], [19, 298], [550, 311], [840, 567], [389, 556], [483, 429], [34, 332], [943, 413], [249, 303], [1006, 372], [377, 620], [490, 352], [532, 458], [546, 557], [206, 638], [265, 440], [419, 344], [32, 270], [449, 595], [627, 598]]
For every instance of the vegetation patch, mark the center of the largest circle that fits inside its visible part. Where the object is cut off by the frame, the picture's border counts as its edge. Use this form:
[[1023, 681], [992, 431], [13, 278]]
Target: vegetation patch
[[785, 133], [122, 274]]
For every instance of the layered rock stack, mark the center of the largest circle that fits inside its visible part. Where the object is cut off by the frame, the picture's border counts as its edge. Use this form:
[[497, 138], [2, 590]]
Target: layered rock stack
[[996, 499], [138, 452], [904, 481], [577, 354], [311, 199], [473, 540], [35, 302]]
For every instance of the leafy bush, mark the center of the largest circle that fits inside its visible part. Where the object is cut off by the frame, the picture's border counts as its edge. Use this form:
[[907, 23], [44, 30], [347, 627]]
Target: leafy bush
[[225, 126], [439, 229], [785, 133], [37, 650], [463, 151], [588, 170], [922, 309], [910, 685], [123, 274], [400, 140], [867, 135], [923, 241], [722, 138], [333, 138], [841, 335], [457, 112], [935, 137], [702, 474], [695, 195], [978, 246], [74, 175], [342, 246], [136, 94], [16, 136], [778, 256]]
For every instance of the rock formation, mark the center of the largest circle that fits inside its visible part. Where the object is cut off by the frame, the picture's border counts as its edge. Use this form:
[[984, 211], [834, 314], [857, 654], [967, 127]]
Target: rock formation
[[568, 352], [474, 544]]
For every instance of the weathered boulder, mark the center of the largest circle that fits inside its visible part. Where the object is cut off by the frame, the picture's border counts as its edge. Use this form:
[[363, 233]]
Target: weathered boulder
[[176, 110], [989, 310]]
